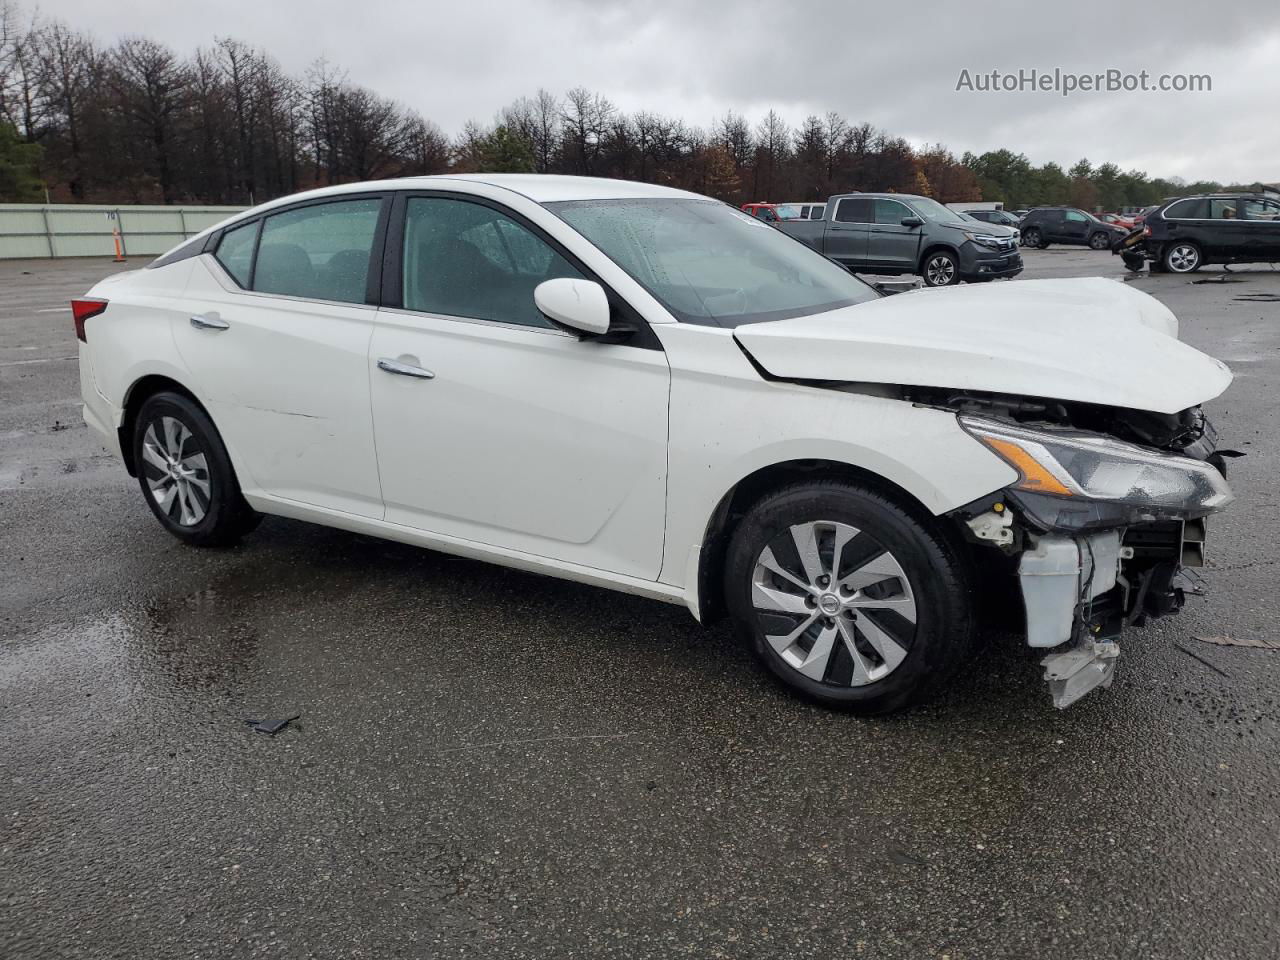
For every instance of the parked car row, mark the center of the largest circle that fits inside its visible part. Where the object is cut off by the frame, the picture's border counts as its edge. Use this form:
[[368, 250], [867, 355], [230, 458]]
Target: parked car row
[[902, 234], [1002, 218], [773, 212], [894, 233], [1045, 225]]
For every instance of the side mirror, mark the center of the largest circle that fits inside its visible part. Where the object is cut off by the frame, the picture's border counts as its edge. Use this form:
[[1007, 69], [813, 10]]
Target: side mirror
[[912, 222], [581, 305]]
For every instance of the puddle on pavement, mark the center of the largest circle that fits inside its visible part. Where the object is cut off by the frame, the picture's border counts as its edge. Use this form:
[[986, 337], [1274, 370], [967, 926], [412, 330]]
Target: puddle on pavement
[[159, 648]]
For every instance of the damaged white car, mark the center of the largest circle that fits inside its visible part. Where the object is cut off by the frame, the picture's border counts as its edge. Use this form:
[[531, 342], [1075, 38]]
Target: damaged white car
[[646, 390]]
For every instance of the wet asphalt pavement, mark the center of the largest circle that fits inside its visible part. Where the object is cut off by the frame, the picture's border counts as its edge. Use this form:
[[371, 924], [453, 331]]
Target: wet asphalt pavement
[[492, 764]]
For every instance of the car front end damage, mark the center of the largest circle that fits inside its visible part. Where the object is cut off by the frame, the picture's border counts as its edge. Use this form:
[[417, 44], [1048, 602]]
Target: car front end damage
[[1102, 524]]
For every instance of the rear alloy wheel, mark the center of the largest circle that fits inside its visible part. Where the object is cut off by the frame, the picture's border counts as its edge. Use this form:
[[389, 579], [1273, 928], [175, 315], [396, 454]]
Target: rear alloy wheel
[[176, 470], [1182, 257], [941, 269], [1031, 238], [1099, 241], [846, 598], [186, 475]]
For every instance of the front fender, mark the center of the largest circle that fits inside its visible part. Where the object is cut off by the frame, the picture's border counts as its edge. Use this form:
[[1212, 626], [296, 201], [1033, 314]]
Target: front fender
[[715, 445]]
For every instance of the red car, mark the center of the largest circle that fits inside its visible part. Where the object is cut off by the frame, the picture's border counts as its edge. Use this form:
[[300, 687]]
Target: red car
[[1125, 223], [762, 211]]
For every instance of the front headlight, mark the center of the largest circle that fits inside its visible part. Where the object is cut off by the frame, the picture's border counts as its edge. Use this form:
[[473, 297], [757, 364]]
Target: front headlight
[[1087, 466], [982, 239]]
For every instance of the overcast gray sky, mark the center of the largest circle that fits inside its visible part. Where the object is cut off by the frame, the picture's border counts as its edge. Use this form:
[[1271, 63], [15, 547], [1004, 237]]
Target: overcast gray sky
[[895, 65]]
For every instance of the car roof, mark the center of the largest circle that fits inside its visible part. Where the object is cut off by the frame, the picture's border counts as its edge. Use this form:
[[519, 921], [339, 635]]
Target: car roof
[[538, 187], [1249, 194]]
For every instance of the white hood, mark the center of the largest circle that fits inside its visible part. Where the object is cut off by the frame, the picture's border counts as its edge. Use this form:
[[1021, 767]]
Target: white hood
[[1090, 340]]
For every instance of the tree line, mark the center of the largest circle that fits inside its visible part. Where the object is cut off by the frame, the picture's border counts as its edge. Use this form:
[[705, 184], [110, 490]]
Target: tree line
[[135, 122]]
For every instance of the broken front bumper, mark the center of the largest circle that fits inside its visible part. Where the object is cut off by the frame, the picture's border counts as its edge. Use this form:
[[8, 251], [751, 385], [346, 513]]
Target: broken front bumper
[[1084, 589]]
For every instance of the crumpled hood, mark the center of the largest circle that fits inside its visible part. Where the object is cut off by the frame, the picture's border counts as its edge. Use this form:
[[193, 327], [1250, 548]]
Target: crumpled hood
[[1089, 340]]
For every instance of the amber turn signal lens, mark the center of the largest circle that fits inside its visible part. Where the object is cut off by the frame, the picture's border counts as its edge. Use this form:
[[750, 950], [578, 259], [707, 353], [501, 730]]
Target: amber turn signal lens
[[1035, 478]]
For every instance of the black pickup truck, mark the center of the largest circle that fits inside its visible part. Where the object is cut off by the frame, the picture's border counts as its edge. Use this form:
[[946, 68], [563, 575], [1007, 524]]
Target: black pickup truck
[[895, 233]]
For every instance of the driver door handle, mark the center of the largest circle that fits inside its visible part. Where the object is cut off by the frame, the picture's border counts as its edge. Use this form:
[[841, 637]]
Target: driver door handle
[[209, 322], [404, 369]]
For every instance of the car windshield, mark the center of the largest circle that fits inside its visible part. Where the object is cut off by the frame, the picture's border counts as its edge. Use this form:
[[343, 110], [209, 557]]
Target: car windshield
[[933, 210], [708, 263], [788, 211]]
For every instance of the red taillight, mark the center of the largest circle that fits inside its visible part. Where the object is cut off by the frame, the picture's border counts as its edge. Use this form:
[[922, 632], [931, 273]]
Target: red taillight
[[1146, 231], [83, 309]]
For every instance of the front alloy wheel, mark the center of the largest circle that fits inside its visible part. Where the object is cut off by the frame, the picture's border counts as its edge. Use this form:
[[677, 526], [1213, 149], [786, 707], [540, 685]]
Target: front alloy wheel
[[847, 597], [1182, 258], [834, 604], [941, 270]]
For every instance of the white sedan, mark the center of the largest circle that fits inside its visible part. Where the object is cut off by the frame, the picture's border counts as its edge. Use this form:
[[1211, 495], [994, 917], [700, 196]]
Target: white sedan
[[647, 390]]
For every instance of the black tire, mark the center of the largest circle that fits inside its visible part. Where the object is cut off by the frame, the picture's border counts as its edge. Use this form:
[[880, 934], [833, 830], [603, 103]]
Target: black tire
[[214, 517], [1031, 237], [1181, 256], [1099, 240], [937, 584], [940, 268]]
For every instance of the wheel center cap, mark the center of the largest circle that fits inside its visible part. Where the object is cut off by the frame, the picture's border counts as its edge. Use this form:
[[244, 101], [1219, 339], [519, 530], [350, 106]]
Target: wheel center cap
[[829, 603]]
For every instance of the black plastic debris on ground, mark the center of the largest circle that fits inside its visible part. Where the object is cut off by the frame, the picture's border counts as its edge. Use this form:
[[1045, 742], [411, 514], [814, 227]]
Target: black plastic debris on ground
[[1208, 663], [272, 727], [1259, 298]]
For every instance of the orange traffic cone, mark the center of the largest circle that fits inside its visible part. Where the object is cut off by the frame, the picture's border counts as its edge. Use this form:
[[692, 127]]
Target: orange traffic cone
[[115, 238]]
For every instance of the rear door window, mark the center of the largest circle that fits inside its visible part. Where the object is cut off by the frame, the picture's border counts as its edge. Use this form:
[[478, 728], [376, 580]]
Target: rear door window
[[857, 210], [319, 252], [1194, 209], [1224, 209]]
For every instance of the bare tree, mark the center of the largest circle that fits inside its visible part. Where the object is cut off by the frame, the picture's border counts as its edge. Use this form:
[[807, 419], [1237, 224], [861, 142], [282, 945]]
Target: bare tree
[[838, 134], [68, 76], [152, 90], [773, 142], [426, 148], [586, 118]]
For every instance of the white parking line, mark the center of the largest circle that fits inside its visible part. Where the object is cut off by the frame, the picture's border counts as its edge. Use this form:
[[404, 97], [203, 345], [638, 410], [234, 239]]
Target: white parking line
[[54, 310], [19, 363]]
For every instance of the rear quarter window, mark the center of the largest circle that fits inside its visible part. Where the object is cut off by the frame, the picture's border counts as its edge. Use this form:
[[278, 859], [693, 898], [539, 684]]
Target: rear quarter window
[[1196, 209], [235, 252]]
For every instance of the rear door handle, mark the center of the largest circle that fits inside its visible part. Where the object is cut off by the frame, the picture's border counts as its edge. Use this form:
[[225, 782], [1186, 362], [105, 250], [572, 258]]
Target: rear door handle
[[210, 322], [404, 369]]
